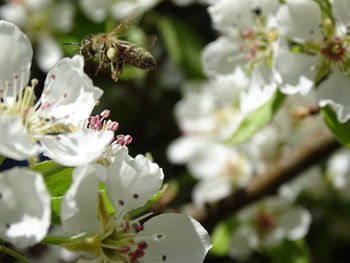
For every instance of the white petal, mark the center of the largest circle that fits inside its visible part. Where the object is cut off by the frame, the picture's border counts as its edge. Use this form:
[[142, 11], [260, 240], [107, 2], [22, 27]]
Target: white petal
[[25, 206], [227, 14], [184, 148], [335, 92], [76, 148], [79, 204], [14, 12], [295, 222], [195, 111], [341, 10], [211, 190], [15, 142], [295, 70], [269, 10], [212, 160], [48, 52], [96, 10], [260, 90], [175, 238], [243, 241], [16, 55], [273, 237], [121, 8], [222, 56], [69, 94], [131, 182], [338, 167], [300, 20]]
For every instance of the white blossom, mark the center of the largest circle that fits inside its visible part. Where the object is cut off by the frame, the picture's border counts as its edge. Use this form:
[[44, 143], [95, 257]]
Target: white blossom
[[114, 238], [320, 56], [267, 223], [54, 123], [25, 206]]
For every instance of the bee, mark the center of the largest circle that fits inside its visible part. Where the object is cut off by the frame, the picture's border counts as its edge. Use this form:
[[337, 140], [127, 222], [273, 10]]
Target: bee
[[108, 49]]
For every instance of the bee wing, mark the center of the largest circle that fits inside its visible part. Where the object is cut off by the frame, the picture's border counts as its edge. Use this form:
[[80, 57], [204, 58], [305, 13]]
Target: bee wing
[[130, 19]]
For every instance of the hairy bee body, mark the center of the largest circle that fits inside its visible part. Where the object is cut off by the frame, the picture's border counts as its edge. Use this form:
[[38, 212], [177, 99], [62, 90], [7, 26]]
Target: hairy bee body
[[109, 49], [134, 55]]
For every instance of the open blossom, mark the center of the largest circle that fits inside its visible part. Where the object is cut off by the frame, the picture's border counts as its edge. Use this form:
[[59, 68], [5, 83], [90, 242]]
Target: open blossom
[[210, 109], [54, 123], [220, 168], [116, 237], [320, 56], [248, 43], [25, 206], [267, 223]]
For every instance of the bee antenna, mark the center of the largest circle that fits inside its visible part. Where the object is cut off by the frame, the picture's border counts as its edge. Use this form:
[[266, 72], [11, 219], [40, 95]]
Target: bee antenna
[[71, 43]]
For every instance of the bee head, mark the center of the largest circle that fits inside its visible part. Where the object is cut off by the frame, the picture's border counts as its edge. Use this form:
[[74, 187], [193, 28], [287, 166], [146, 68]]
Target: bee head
[[86, 41], [85, 46]]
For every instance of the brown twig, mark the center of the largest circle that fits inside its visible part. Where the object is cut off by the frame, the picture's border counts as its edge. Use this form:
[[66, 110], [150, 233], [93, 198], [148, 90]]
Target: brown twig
[[304, 156]]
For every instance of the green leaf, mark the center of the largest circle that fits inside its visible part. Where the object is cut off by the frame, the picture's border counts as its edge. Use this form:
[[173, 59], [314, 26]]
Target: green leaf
[[257, 119], [58, 178], [222, 236], [183, 44], [290, 252], [340, 130]]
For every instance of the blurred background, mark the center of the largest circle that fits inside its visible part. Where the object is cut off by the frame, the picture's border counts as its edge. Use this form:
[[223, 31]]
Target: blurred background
[[144, 102]]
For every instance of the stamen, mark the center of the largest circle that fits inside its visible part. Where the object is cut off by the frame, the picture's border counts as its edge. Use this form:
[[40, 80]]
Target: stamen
[[105, 114]]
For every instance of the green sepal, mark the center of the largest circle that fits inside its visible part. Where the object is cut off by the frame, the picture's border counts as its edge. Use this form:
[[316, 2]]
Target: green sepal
[[2, 158], [340, 130], [289, 252], [222, 235], [257, 119], [140, 210]]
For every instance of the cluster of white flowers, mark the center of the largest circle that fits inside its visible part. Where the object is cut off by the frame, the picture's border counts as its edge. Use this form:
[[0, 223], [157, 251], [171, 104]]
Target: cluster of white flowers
[[297, 48], [58, 125]]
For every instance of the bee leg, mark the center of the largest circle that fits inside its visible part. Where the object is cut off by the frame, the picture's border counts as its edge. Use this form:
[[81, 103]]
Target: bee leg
[[116, 69], [101, 61]]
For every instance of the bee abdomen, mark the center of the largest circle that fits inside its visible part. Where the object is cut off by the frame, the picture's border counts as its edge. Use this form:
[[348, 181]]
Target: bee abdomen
[[136, 56]]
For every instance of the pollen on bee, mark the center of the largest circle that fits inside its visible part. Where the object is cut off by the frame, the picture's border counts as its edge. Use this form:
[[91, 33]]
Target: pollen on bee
[[112, 54]]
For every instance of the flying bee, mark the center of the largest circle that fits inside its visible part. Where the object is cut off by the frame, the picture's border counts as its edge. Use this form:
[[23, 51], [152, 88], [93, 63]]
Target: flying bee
[[110, 50]]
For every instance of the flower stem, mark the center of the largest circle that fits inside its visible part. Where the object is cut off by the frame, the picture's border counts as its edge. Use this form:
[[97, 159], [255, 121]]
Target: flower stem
[[61, 240], [2, 158], [14, 254]]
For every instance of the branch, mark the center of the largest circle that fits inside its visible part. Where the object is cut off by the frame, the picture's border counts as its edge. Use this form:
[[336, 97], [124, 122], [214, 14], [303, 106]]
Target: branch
[[300, 159]]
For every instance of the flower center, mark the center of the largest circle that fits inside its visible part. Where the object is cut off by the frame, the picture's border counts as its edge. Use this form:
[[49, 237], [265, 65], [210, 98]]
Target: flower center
[[334, 49], [119, 242], [20, 100], [99, 122], [257, 44], [265, 221]]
